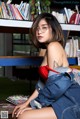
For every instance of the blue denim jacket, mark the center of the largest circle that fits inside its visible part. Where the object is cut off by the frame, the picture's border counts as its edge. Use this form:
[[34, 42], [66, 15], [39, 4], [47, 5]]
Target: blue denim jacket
[[56, 85], [57, 92]]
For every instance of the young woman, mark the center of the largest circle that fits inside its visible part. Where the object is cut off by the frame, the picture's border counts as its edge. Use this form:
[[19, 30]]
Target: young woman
[[55, 95]]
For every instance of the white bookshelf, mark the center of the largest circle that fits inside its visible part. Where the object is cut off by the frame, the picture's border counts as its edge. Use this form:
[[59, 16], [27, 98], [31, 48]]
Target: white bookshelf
[[14, 26], [15, 23], [28, 24], [70, 27]]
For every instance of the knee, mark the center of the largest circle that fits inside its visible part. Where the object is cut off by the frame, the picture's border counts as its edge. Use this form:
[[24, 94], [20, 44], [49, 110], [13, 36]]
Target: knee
[[20, 116], [24, 115]]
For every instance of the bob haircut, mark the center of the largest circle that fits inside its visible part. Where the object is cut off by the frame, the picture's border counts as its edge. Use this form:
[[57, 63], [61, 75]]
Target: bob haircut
[[53, 23]]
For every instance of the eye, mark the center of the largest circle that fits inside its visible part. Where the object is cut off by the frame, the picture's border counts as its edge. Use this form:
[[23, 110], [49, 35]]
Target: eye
[[44, 28]]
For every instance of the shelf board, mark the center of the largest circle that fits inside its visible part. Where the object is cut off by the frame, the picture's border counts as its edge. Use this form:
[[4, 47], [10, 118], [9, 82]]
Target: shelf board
[[15, 23], [27, 24], [75, 66], [70, 27]]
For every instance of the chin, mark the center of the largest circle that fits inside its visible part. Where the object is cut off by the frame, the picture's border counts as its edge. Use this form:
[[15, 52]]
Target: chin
[[41, 41]]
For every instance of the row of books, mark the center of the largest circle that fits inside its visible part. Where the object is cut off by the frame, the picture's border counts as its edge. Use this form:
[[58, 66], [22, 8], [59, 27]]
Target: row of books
[[10, 103], [72, 46], [66, 15], [73, 17], [15, 11], [17, 99]]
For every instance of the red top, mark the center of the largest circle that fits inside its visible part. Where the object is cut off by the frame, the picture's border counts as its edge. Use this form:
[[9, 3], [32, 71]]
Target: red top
[[43, 71]]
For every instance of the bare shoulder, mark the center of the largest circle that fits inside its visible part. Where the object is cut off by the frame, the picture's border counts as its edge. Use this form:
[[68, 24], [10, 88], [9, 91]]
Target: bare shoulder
[[56, 55], [54, 46]]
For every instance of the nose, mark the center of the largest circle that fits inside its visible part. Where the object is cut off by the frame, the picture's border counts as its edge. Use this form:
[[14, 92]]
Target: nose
[[39, 31]]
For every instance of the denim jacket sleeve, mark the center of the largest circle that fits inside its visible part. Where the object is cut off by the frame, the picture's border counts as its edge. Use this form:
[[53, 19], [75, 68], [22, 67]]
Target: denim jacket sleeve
[[39, 85], [54, 88]]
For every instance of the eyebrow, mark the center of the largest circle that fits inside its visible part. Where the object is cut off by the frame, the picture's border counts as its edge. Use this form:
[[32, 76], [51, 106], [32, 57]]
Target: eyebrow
[[44, 25]]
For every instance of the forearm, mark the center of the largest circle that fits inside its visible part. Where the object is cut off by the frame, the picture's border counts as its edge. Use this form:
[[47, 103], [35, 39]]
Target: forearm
[[33, 96], [38, 87]]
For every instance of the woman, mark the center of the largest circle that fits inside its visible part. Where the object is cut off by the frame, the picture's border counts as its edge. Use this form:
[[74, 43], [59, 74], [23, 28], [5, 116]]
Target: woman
[[54, 96]]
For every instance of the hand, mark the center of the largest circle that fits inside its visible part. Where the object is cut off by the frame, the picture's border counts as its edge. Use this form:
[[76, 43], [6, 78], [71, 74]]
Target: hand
[[19, 109]]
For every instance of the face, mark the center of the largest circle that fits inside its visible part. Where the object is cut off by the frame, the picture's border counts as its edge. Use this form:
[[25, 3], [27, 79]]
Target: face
[[43, 32]]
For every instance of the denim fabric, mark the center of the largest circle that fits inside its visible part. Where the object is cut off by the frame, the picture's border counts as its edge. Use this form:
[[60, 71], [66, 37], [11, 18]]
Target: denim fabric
[[39, 85], [72, 112], [65, 101], [68, 102], [54, 88]]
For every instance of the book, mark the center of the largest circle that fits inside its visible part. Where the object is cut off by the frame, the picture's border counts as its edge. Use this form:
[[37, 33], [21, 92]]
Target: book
[[24, 9], [67, 48], [17, 99], [4, 9], [1, 12], [9, 11], [67, 14], [16, 13], [78, 56], [12, 11], [71, 47]]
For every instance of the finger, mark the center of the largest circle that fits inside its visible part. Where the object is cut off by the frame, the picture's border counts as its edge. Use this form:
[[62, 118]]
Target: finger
[[14, 111], [22, 110], [18, 113], [25, 110]]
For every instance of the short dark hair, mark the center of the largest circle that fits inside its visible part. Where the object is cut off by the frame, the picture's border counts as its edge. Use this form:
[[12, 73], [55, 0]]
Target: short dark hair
[[53, 23]]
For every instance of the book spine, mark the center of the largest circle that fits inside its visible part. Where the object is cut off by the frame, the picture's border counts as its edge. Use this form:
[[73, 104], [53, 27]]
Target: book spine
[[4, 10], [67, 15], [77, 19], [9, 11], [1, 11], [17, 13], [12, 11]]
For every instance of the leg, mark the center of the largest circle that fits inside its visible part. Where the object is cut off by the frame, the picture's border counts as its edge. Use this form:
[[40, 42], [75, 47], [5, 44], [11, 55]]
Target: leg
[[44, 113]]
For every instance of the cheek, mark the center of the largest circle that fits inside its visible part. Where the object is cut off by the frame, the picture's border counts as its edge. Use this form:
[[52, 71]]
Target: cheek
[[49, 35]]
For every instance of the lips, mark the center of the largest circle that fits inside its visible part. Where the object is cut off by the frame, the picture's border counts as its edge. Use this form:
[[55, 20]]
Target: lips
[[40, 37]]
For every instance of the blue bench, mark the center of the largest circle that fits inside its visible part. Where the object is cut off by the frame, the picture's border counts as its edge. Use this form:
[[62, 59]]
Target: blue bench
[[20, 61]]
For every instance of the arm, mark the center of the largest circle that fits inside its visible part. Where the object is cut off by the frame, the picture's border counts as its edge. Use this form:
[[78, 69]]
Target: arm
[[19, 109], [56, 55], [33, 96]]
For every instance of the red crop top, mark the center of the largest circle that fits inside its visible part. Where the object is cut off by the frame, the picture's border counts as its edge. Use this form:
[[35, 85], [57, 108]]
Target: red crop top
[[43, 71]]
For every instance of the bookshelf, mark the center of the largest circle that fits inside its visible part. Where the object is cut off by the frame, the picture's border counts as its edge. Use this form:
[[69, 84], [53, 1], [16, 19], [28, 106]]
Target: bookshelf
[[23, 26], [27, 24], [15, 23], [19, 26]]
